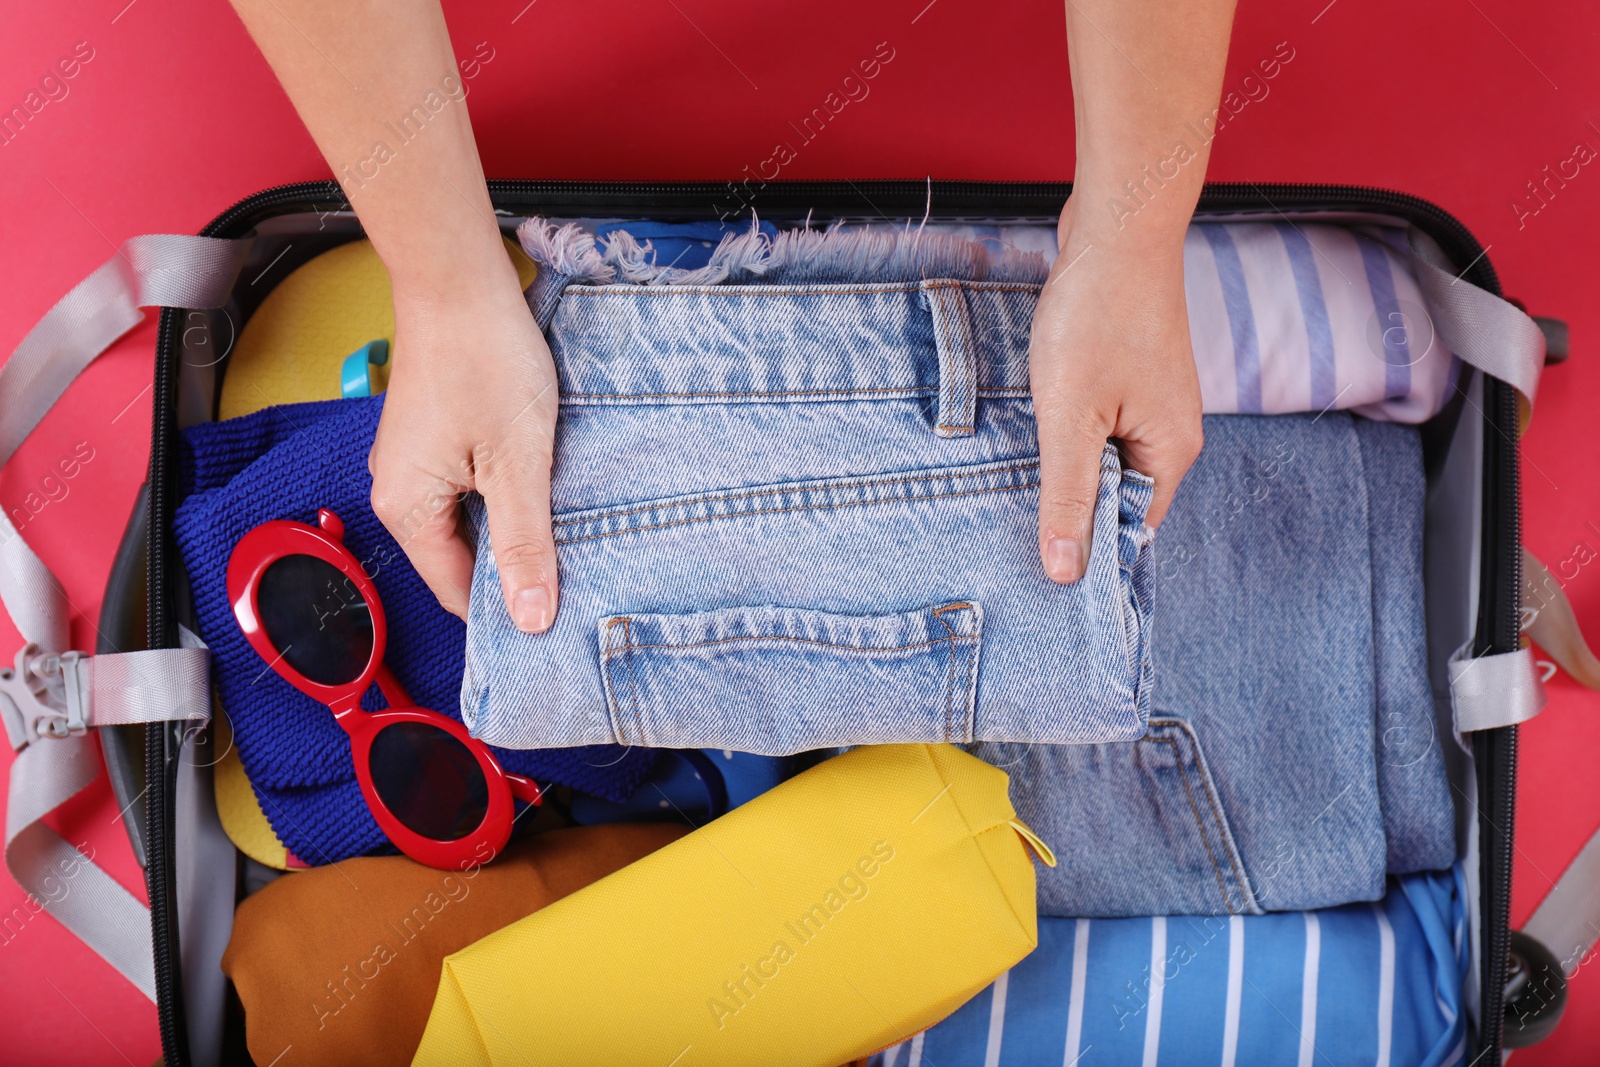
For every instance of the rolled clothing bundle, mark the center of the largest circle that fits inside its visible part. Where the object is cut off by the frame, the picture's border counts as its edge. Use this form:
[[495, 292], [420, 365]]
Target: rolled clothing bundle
[[342, 963], [1292, 759]]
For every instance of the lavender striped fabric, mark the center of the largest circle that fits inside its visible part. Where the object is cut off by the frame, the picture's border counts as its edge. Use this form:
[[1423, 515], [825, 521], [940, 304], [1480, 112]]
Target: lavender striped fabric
[[1289, 316]]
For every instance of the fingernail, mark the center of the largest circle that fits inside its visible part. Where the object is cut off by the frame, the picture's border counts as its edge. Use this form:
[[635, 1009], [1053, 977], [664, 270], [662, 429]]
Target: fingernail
[[530, 609], [1063, 559]]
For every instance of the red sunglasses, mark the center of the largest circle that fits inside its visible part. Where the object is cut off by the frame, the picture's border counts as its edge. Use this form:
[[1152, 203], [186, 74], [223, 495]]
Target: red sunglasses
[[310, 610]]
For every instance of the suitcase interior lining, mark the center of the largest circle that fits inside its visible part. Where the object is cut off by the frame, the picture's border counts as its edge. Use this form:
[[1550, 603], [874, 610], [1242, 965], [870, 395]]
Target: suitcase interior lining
[[212, 876]]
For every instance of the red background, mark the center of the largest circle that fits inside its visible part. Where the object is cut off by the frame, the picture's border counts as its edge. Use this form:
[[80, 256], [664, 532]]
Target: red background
[[176, 116]]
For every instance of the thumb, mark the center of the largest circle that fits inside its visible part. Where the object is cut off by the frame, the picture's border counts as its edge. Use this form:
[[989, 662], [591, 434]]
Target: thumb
[[517, 496], [1069, 482]]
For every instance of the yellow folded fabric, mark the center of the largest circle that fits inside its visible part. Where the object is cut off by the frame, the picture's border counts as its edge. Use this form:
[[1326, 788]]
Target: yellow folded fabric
[[841, 912]]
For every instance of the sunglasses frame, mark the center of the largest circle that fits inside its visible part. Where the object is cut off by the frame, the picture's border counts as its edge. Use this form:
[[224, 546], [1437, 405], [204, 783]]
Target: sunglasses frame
[[272, 541]]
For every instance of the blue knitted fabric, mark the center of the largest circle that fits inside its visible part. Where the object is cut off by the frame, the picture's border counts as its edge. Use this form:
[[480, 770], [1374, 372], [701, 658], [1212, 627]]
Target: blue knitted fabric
[[285, 463]]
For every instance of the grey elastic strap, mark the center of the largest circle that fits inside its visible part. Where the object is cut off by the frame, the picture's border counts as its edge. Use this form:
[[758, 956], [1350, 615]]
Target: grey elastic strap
[[1568, 921], [1505, 689], [55, 695], [1498, 690], [52, 697], [1486, 331], [156, 685], [1548, 619], [1490, 691], [155, 270]]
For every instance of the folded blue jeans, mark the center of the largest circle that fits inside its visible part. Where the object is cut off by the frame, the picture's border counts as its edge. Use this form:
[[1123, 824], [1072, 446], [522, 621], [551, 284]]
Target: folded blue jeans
[[1291, 760], [802, 514]]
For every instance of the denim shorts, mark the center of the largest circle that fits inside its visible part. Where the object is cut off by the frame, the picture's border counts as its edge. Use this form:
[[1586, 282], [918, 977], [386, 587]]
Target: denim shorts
[[803, 513]]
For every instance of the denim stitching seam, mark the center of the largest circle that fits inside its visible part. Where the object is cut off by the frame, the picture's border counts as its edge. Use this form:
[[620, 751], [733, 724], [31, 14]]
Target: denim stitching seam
[[902, 392], [572, 291], [633, 681], [950, 679], [1216, 810], [1138, 653], [949, 682], [780, 511], [1205, 839], [629, 647], [797, 641], [613, 705], [920, 389], [974, 651], [969, 729], [767, 491]]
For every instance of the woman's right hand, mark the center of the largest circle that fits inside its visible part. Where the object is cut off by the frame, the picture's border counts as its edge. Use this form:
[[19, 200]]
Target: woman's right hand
[[471, 405]]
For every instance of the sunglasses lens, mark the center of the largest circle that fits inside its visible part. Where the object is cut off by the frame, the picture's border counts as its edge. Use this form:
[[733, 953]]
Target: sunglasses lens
[[316, 618], [429, 780]]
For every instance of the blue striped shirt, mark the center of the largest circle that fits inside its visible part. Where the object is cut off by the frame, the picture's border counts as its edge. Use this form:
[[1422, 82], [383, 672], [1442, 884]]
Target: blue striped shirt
[[1370, 984]]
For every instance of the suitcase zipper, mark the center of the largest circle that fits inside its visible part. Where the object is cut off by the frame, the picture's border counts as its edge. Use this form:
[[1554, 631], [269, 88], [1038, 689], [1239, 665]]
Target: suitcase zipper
[[1497, 627], [1496, 764]]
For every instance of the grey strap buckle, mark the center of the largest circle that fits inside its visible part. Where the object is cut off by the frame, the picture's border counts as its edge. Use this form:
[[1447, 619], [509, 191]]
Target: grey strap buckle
[[45, 695]]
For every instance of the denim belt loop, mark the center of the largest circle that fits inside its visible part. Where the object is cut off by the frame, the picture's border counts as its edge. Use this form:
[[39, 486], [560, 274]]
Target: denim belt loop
[[958, 357]]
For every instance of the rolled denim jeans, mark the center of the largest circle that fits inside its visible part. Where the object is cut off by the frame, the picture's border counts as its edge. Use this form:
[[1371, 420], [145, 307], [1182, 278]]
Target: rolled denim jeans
[[803, 514]]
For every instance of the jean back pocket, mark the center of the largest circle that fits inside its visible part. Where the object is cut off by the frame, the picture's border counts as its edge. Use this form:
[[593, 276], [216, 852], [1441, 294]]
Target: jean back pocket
[[776, 680]]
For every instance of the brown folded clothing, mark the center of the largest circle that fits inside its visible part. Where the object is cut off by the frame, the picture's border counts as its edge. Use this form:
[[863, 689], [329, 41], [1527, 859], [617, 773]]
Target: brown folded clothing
[[342, 962]]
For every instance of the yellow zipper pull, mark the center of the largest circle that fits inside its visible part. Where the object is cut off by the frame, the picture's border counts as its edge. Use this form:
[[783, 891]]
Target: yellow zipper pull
[[1040, 849]]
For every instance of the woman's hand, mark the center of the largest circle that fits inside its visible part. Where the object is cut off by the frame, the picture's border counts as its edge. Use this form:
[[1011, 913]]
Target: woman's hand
[[1110, 353], [1109, 357], [471, 404], [472, 394]]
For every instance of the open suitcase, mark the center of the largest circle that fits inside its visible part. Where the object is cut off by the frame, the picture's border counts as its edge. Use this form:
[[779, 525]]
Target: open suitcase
[[161, 771]]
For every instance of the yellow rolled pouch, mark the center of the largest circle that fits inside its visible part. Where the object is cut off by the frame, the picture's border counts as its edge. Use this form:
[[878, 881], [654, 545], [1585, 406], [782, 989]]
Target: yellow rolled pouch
[[835, 915]]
